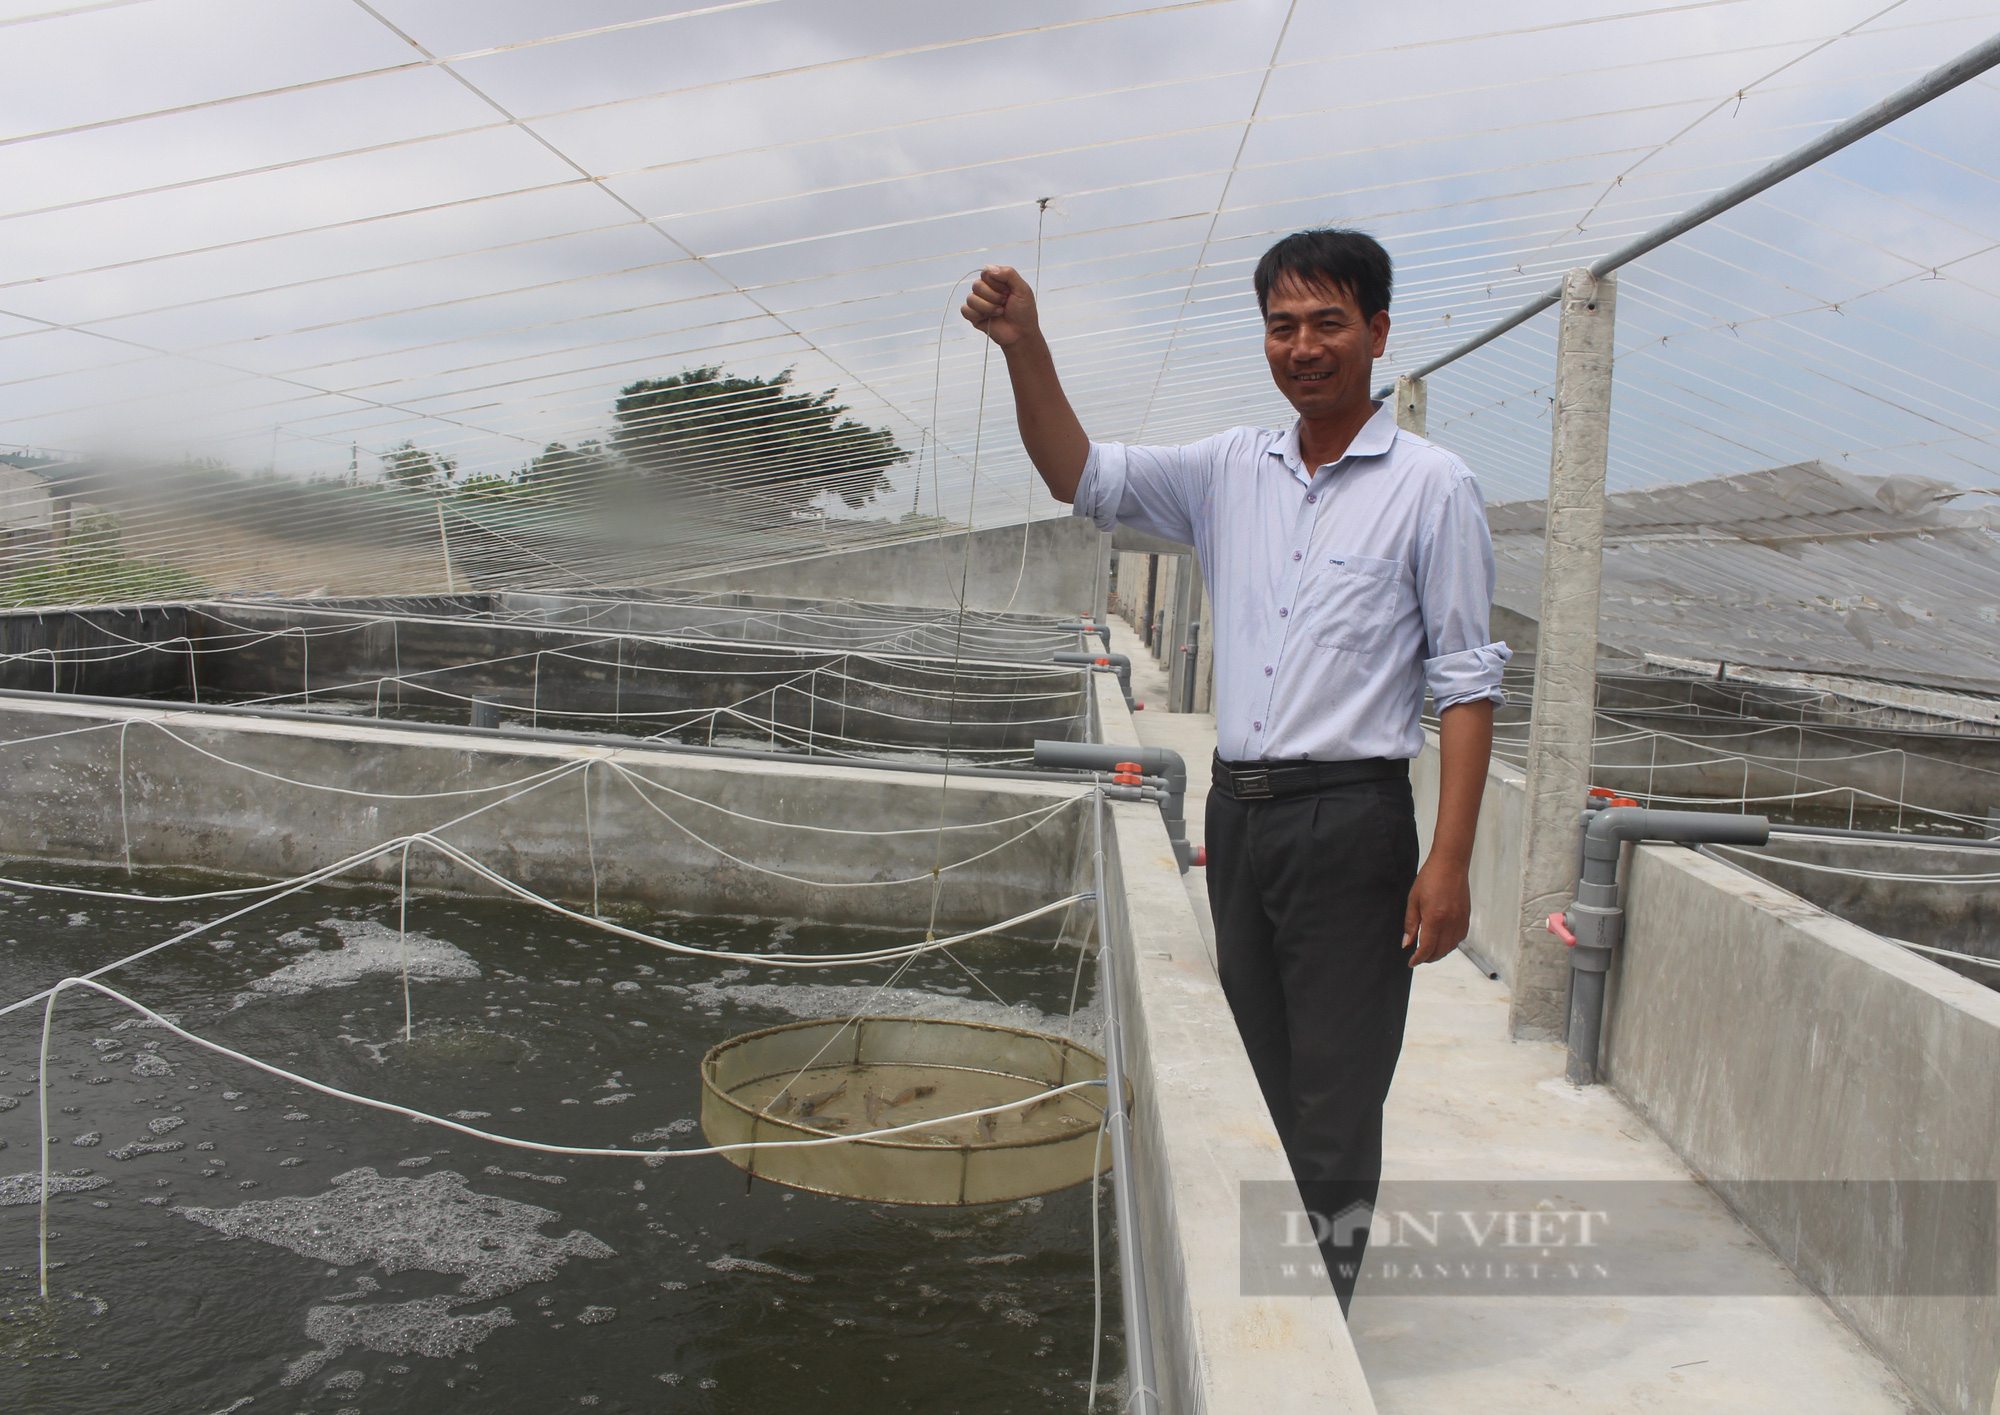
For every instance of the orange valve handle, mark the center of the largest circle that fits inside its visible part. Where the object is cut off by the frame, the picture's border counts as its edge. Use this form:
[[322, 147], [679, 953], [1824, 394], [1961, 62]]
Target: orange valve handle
[[1128, 766], [1561, 930], [1126, 778]]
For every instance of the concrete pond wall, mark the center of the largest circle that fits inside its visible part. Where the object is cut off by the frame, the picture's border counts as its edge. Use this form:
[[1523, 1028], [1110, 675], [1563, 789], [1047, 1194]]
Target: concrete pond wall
[[280, 797], [1769, 1043], [576, 679]]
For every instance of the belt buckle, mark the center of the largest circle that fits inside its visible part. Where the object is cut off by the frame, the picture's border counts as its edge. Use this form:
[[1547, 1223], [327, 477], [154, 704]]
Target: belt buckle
[[1252, 785]]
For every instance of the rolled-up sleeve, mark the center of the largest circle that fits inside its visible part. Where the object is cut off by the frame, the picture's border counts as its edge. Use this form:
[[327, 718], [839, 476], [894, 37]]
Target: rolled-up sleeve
[[1152, 489], [1455, 591]]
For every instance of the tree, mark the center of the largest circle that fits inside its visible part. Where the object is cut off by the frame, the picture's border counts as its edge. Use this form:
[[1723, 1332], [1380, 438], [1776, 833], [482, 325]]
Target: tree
[[752, 441], [408, 465], [563, 469]]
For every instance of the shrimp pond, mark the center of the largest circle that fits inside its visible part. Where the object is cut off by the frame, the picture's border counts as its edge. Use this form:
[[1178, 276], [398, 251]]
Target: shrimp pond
[[223, 1240]]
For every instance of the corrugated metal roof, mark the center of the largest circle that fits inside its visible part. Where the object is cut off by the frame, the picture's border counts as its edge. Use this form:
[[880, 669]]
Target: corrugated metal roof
[[1803, 568]]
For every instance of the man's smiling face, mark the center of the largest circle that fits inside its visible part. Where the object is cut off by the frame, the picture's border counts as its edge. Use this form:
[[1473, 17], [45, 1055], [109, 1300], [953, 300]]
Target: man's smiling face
[[1321, 350]]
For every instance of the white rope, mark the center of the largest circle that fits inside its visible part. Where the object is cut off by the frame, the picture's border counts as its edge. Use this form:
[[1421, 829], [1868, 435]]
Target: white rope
[[1862, 874]]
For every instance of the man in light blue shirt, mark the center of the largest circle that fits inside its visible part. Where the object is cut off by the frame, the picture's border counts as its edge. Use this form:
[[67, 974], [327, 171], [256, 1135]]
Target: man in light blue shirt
[[1350, 571]]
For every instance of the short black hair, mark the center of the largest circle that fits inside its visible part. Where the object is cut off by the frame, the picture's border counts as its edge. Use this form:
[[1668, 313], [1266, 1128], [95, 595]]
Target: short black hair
[[1353, 261]]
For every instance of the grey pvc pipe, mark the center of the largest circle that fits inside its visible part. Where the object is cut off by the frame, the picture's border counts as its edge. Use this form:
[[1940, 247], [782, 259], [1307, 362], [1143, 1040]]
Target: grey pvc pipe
[[1120, 664], [1162, 762], [1594, 923], [1103, 631]]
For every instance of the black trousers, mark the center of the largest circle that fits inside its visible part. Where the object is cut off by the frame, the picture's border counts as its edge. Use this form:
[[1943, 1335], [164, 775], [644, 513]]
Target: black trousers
[[1308, 894]]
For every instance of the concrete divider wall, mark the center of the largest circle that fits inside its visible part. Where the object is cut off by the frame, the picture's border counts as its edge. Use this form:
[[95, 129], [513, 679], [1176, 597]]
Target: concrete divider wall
[[906, 700], [279, 798], [1201, 1132], [1061, 575], [40, 649], [1766, 1040]]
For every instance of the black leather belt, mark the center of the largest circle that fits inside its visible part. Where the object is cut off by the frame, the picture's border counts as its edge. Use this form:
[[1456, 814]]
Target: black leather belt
[[1267, 781]]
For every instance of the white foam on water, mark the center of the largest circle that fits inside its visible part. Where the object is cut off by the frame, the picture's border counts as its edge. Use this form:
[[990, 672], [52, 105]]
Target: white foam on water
[[424, 1327], [164, 1123], [815, 1000], [142, 1022], [434, 1223], [27, 1188], [749, 1265], [136, 1148], [366, 948], [150, 1064], [591, 1316]]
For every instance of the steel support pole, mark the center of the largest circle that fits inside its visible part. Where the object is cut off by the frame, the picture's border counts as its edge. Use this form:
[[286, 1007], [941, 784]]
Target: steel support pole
[[1565, 702], [1412, 405]]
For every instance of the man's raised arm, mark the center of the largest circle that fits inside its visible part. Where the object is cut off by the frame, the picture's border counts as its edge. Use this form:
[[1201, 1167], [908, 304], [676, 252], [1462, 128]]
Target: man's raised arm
[[1002, 307]]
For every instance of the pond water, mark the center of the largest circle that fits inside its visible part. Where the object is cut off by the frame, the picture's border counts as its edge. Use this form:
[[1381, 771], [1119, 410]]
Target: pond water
[[228, 1241]]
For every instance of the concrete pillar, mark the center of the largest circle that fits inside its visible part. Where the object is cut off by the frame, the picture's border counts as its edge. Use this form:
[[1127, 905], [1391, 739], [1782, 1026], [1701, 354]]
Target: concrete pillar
[[1565, 703], [1412, 405]]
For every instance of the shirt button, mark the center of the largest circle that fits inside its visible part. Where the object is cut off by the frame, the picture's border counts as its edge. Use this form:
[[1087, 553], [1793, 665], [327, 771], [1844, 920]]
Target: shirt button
[[1267, 670], [1311, 497], [1284, 614], [1258, 725], [1298, 555]]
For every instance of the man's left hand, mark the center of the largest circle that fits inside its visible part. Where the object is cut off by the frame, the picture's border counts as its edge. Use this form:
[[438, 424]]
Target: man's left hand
[[1440, 911]]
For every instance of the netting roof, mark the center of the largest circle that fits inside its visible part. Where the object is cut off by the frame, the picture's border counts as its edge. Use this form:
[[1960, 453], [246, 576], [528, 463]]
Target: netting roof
[[294, 239], [1802, 568]]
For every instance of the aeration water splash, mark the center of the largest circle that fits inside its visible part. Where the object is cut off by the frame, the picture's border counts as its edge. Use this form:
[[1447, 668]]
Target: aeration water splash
[[259, 1240]]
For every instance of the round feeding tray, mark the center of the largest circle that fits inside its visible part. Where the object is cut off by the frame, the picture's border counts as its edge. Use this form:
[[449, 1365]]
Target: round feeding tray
[[850, 1077]]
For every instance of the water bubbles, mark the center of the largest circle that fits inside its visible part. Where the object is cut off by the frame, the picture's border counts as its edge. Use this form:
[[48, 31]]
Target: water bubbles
[[151, 1064], [135, 1149], [296, 1115], [591, 1316], [677, 1127], [27, 1188], [366, 947], [424, 1327], [618, 1099], [413, 1162], [345, 1380], [90, 1138], [471, 1115], [287, 1164], [232, 1095], [672, 1378], [748, 1265], [434, 1223], [162, 1124]]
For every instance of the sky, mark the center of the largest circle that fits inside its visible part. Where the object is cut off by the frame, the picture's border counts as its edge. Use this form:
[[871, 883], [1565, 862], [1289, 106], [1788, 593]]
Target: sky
[[294, 235]]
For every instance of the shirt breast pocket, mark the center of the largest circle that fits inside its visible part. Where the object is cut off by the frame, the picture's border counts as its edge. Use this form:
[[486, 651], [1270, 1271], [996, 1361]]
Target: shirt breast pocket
[[1358, 602]]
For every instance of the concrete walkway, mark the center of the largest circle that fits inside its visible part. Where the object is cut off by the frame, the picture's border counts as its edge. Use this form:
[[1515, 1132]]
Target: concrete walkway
[[1469, 1103]]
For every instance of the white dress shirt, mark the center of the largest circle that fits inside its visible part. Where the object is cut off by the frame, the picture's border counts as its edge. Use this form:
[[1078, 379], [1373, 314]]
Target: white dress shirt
[[1339, 595]]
